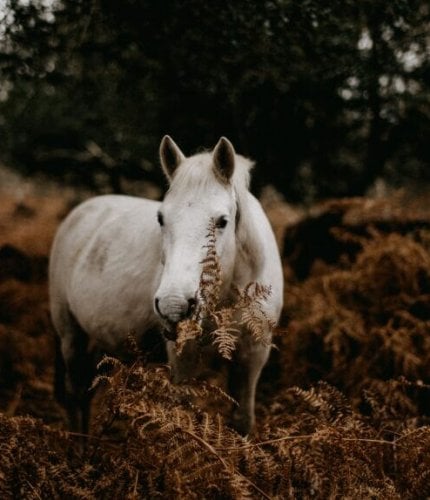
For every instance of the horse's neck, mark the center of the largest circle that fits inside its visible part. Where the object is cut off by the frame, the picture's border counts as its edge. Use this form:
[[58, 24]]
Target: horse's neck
[[250, 248]]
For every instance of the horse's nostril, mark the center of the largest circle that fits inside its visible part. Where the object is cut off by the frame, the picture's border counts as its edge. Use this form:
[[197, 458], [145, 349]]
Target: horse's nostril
[[157, 306], [191, 305]]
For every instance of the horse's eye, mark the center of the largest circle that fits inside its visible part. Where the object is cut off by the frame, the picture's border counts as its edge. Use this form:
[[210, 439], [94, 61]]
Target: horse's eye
[[160, 218], [221, 222]]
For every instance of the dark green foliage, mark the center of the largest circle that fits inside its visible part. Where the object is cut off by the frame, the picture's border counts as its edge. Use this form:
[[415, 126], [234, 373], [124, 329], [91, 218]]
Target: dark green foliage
[[326, 96]]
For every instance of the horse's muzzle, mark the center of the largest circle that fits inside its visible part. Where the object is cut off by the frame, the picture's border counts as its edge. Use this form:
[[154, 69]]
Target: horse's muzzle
[[176, 311], [172, 313]]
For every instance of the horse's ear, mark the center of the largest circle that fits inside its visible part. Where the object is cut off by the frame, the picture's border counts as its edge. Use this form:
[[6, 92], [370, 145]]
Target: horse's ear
[[170, 156], [224, 159]]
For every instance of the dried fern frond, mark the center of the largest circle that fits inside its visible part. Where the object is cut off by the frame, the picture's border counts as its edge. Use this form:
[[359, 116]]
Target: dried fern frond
[[163, 423], [412, 459], [188, 329], [248, 303], [225, 340], [244, 313], [366, 321], [211, 273]]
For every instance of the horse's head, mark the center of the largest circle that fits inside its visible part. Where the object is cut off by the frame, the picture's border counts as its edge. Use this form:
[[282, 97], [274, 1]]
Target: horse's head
[[202, 192]]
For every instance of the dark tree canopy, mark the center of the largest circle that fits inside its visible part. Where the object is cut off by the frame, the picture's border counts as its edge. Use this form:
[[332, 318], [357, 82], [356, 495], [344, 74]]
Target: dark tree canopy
[[325, 95]]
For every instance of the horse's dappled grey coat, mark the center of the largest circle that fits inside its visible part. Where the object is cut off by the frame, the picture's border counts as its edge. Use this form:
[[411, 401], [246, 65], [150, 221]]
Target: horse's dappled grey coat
[[122, 265]]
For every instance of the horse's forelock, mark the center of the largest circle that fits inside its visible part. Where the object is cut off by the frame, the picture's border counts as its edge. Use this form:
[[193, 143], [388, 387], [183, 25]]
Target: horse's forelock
[[197, 174]]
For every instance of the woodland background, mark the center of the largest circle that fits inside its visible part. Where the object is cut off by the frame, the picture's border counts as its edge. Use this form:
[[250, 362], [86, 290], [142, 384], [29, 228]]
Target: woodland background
[[327, 96], [332, 100]]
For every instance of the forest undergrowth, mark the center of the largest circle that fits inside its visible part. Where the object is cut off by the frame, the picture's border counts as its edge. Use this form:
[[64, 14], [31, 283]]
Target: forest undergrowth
[[343, 408]]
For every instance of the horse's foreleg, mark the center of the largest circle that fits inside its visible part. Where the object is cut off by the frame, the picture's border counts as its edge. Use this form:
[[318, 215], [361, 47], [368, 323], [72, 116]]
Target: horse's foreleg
[[244, 374]]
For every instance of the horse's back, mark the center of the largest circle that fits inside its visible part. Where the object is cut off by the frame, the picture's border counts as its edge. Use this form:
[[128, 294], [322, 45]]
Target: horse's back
[[104, 264], [99, 219]]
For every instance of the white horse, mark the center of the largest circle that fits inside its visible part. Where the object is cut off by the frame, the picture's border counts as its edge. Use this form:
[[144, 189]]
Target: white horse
[[121, 264]]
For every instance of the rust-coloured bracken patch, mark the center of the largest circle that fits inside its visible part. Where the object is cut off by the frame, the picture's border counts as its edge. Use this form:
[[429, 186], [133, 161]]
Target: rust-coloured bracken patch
[[344, 403]]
